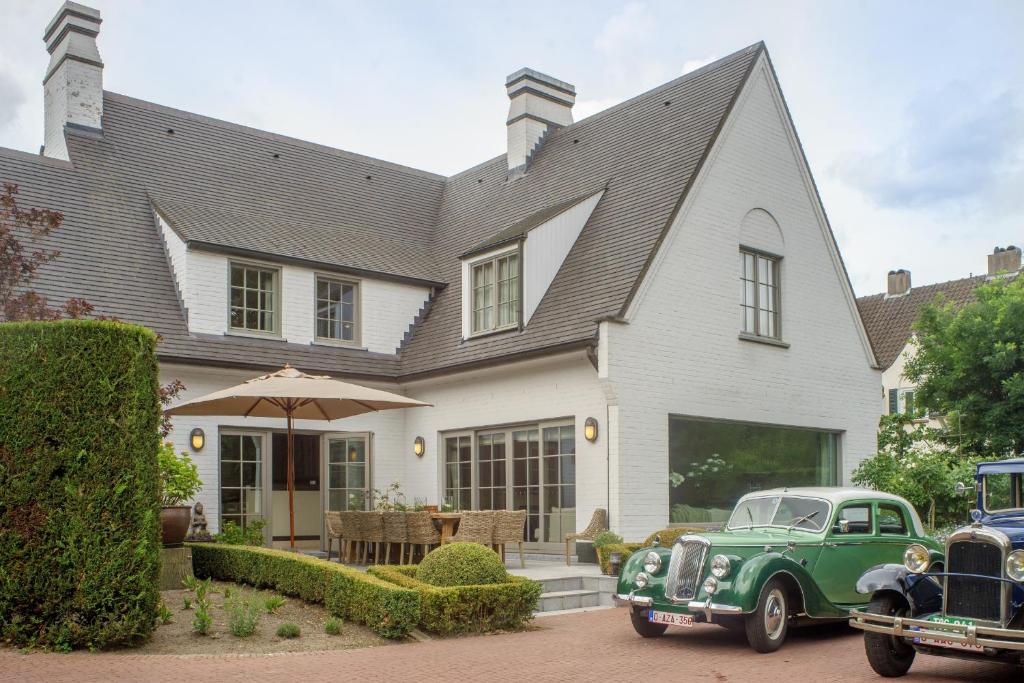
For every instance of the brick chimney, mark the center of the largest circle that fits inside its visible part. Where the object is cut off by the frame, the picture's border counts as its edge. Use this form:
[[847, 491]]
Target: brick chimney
[[539, 104], [1004, 260], [73, 86], [899, 283]]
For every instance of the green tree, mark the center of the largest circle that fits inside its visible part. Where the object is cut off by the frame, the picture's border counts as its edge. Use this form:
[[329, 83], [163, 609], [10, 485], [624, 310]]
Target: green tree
[[970, 365]]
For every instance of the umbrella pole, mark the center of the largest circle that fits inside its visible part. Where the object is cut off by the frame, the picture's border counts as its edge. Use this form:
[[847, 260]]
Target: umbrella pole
[[291, 481]]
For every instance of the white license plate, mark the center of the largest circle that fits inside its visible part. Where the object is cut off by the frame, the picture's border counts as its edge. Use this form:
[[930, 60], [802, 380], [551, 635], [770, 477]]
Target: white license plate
[[670, 618], [938, 642]]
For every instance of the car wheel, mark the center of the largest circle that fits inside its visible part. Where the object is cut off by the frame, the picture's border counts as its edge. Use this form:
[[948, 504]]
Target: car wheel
[[767, 624], [888, 655], [645, 628]]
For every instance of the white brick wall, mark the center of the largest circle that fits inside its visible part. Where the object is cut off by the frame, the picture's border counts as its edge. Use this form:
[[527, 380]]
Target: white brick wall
[[387, 308], [680, 352]]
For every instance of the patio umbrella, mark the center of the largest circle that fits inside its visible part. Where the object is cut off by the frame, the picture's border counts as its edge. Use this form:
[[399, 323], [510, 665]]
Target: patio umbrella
[[292, 394]]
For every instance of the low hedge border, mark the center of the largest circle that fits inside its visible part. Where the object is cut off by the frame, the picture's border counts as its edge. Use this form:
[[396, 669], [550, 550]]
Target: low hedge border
[[467, 609], [604, 553], [391, 610]]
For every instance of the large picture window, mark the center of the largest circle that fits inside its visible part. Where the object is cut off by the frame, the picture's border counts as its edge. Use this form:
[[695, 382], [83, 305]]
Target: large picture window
[[253, 298], [713, 463], [495, 291], [759, 294]]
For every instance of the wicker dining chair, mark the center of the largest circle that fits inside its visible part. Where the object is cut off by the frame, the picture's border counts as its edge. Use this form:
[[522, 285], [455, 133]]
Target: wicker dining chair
[[395, 531], [333, 526], [372, 531], [598, 523], [420, 531], [508, 528], [475, 527]]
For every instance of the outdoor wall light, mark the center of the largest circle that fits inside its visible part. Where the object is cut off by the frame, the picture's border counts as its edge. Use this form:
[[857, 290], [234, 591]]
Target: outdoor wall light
[[353, 455], [197, 439], [590, 429], [419, 446]]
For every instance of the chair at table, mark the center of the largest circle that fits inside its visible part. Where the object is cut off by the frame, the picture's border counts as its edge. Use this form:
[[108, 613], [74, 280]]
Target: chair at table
[[508, 528], [395, 531], [372, 531], [350, 535], [334, 528], [420, 531], [598, 523], [475, 527]]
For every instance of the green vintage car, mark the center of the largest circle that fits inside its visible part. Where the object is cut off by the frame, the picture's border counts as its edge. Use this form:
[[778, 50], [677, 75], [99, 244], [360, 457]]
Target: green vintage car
[[786, 557]]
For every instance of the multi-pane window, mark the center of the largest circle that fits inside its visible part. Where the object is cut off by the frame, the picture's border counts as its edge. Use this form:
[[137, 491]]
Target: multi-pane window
[[253, 298], [335, 310], [346, 473], [490, 471], [241, 478], [901, 401], [759, 296], [496, 293], [559, 476], [458, 460]]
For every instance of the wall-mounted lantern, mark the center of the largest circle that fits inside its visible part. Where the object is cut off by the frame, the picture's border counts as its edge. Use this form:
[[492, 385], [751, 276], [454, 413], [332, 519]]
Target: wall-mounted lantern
[[419, 446], [590, 430], [197, 439]]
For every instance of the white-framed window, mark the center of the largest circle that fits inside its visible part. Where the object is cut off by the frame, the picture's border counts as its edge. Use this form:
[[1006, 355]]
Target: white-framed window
[[759, 294], [241, 477], [494, 292], [901, 402], [337, 310], [254, 298]]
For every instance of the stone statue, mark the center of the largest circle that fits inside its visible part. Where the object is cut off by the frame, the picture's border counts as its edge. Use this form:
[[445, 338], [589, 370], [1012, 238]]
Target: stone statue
[[199, 532]]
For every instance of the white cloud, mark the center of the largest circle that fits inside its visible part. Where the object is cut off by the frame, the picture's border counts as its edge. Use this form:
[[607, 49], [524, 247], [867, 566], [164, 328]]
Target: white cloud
[[585, 108], [694, 64], [12, 96]]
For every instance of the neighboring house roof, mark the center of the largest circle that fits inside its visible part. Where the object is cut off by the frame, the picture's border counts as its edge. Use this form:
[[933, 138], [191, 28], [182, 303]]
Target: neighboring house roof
[[889, 320], [230, 188]]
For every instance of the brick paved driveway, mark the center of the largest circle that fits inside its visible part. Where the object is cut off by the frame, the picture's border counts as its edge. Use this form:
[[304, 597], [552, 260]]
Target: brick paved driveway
[[589, 646]]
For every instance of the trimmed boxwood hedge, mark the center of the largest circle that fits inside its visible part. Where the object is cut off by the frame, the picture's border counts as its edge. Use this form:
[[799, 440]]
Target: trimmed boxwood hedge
[[467, 609], [604, 554], [79, 500], [390, 610]]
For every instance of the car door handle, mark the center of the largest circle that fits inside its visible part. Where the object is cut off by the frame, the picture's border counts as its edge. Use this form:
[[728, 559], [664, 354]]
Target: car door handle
[[831, 545]]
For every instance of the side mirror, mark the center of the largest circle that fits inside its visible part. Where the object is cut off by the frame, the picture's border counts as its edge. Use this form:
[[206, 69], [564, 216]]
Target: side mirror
[[844, 526], [961, 488]]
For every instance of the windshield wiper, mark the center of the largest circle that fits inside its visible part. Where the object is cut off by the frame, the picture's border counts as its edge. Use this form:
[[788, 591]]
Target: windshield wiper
[[800, 520]]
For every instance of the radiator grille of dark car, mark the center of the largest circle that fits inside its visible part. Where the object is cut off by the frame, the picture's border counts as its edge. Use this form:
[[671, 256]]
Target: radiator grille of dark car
[[685, 569], [972, 597]]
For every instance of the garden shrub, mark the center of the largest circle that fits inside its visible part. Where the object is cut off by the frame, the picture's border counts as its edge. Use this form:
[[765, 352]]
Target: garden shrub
[[243, 616], [604, 553], [232, 534], [288, 630], [462, 564], [669, 535], [606, 538], [333, 626], [447, 610], [79, 488], [273, 603], [391, 611]]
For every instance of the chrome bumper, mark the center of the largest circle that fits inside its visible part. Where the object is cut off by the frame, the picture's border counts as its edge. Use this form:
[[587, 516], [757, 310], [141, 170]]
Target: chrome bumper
[[708, 608], [906, 627]]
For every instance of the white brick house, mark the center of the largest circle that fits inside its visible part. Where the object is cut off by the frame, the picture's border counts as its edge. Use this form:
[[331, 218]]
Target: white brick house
[[664, 267]]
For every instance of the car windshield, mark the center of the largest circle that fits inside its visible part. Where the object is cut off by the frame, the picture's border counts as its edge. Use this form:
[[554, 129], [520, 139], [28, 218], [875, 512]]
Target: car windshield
[[1002, 492], [810, 514]]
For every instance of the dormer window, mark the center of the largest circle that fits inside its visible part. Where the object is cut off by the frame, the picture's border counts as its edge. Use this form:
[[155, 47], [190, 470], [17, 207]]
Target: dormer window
[[253, 303], [495, 293], [336, 310]]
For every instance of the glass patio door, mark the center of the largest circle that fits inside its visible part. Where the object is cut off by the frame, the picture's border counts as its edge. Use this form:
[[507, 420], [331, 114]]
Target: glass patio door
[[348, 472], [241, 478]]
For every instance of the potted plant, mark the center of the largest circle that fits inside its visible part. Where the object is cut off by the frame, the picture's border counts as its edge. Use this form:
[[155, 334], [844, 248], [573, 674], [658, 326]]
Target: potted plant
[[179, 483]]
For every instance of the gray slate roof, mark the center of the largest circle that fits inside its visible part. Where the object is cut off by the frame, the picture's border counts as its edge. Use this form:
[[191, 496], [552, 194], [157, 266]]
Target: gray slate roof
[[221, 187]]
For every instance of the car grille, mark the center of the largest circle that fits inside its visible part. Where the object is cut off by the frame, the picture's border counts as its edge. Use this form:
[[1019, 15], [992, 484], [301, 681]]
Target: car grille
[[971, 597], [685, 568]]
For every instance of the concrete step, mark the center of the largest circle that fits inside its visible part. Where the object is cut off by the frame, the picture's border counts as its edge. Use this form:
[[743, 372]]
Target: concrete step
[[568, 599], [578, 610]]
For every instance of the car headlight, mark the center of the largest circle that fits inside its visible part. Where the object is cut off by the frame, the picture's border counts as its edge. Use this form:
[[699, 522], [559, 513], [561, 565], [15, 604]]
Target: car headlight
[[710, 585], [720, 566], [652, 563], [1015, 565], [641, 580], [916, 558]]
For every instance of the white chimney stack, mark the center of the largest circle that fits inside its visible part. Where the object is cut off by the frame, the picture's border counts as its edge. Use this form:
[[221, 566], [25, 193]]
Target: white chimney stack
[[73, 87], [539, 104]]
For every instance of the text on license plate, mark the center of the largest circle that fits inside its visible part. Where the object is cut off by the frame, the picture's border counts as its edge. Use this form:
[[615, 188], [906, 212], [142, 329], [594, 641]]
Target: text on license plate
[[938, 642], [670, 618]]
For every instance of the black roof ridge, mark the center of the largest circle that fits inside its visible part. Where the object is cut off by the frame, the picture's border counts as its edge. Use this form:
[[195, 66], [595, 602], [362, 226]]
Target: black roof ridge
[[268, 135], [933, 285]]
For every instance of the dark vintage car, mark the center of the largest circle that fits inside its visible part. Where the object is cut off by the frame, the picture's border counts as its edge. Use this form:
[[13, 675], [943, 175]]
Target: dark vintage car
[[971, 607]]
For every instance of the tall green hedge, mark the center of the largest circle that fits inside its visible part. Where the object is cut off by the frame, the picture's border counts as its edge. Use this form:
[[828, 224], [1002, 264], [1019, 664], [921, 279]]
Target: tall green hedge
[[79, 510], [391, 611]]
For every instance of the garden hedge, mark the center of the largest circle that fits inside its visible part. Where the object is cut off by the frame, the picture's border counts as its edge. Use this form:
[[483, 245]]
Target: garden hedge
[[79, 499], [390, 610], [467, 609], [668, 536]]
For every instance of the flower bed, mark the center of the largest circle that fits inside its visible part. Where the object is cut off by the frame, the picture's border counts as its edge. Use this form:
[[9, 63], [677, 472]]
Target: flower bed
[[467, 609], [389, 609]]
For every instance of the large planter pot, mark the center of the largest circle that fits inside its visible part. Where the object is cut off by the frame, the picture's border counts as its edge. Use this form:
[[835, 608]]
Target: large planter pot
[[174, 524]]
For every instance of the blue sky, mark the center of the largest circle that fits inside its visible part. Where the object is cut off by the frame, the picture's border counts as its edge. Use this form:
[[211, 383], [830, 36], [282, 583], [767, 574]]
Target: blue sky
[[911, 113]]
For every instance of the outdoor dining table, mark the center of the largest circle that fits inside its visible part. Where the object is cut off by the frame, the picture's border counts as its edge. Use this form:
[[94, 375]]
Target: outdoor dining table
[[449, 520]]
